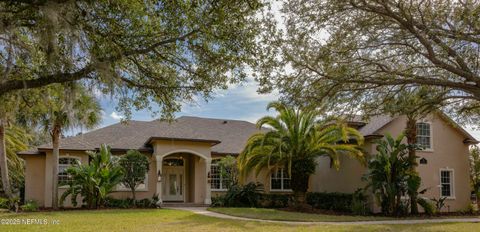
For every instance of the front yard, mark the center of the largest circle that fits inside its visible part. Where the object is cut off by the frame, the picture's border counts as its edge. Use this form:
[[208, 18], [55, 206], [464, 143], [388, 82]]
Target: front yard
[[177, 220], [280, 215]]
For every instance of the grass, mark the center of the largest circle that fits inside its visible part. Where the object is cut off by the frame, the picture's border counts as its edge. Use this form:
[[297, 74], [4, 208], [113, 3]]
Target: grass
[[279, 215], [177, 220]]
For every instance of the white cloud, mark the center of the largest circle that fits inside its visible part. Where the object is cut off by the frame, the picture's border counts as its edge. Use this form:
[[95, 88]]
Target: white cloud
[[116, 116]]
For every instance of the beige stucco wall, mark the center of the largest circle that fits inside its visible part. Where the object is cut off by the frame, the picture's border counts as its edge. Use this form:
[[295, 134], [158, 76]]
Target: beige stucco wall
[[200, 154], [34, 181], [449, 152], [83, 156]]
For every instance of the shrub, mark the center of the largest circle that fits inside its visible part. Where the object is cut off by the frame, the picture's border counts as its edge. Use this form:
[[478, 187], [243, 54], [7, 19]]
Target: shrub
[[218, 201], [119, 203], [29, 206], [243, 195], [341, 202], [130, 203], [439, 203], [360, 203], [427, 205], [10, 203], [146, 203], [275, 200]]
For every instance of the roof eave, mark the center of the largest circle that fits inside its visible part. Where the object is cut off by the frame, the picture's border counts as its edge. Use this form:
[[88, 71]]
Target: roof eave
[[212, 142]]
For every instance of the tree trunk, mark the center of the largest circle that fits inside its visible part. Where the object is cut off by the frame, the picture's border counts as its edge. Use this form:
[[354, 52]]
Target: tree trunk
[[56, 131], [411, 134], [3, 161], [133, 196]]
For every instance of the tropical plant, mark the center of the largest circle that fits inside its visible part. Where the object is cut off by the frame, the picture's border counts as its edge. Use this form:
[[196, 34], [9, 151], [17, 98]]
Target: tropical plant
[[475, 172], [66, 106], [94, 181], [16, 139], [228, 170], [29, 206], [389, 174], [427, 205], [243, 195], [295, 140], [135, 166]]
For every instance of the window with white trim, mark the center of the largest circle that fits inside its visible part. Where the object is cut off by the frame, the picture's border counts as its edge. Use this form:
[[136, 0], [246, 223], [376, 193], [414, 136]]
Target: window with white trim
[[63, 164], [424, 135], [279, 180], [446, 183], [217, 181]]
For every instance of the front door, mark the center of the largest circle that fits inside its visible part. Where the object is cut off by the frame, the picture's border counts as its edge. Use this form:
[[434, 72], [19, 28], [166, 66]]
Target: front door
[[173, 186]]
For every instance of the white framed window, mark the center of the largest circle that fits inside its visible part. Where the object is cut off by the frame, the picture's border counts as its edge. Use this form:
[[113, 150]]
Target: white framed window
[[143, 186], [280, 180], [217, 181], [64, 163], [424, 135], [447, 183]]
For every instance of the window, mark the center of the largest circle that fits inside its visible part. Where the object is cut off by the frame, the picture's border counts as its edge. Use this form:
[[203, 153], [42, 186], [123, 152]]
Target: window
[[217, 181], [424, 135], [279, 180], [63, 164], [446, 183]]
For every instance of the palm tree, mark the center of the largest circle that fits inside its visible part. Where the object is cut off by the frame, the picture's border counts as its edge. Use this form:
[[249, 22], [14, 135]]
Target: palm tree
[[69, 106], [295, 140], [10, 105], [16, 139]]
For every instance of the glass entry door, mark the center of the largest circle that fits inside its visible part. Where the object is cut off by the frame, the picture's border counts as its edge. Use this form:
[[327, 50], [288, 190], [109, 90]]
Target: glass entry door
[[173, 184]]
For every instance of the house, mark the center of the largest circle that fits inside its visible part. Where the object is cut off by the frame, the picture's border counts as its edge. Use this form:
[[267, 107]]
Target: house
[[443, 164], [183, 157]]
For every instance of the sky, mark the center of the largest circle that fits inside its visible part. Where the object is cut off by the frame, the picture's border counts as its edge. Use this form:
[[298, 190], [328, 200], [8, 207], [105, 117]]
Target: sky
[[240, 102]]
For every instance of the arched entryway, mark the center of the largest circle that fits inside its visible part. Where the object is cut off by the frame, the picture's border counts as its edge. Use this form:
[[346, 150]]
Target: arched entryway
[[183, 178]]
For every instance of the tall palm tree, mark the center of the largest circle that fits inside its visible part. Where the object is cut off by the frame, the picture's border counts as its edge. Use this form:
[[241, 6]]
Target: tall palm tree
[[69, 106], [295, 140]]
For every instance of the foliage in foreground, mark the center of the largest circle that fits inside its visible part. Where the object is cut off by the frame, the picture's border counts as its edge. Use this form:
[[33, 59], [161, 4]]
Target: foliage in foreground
[[389, 175], [296, 139], [135, 166], [475, 172], [240, 196], [94, 181]]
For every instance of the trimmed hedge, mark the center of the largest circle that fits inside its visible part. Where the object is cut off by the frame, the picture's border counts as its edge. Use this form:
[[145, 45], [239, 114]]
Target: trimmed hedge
[[341, 202], [275, 200]]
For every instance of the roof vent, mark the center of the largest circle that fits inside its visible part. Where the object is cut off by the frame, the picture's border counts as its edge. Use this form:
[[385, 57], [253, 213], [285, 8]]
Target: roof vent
[[225, 122]]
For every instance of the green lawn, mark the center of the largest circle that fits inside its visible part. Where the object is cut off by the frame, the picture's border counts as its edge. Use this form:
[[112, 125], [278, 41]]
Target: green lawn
[[279, 215], [176, 220]]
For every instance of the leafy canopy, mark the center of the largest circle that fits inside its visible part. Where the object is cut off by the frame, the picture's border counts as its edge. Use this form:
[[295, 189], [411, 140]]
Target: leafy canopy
[[140, 52], [364, 51], [135, 166]]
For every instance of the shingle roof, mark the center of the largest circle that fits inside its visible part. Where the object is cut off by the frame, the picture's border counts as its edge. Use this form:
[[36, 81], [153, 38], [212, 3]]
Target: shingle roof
[[232, 134], [226, 136]]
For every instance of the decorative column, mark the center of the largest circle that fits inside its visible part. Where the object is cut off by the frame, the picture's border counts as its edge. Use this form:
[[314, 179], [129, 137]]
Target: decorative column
[[160, 179], [208, 193]]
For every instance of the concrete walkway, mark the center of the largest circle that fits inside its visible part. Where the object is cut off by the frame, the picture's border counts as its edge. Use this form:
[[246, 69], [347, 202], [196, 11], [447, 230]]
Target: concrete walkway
[[204, 211]]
